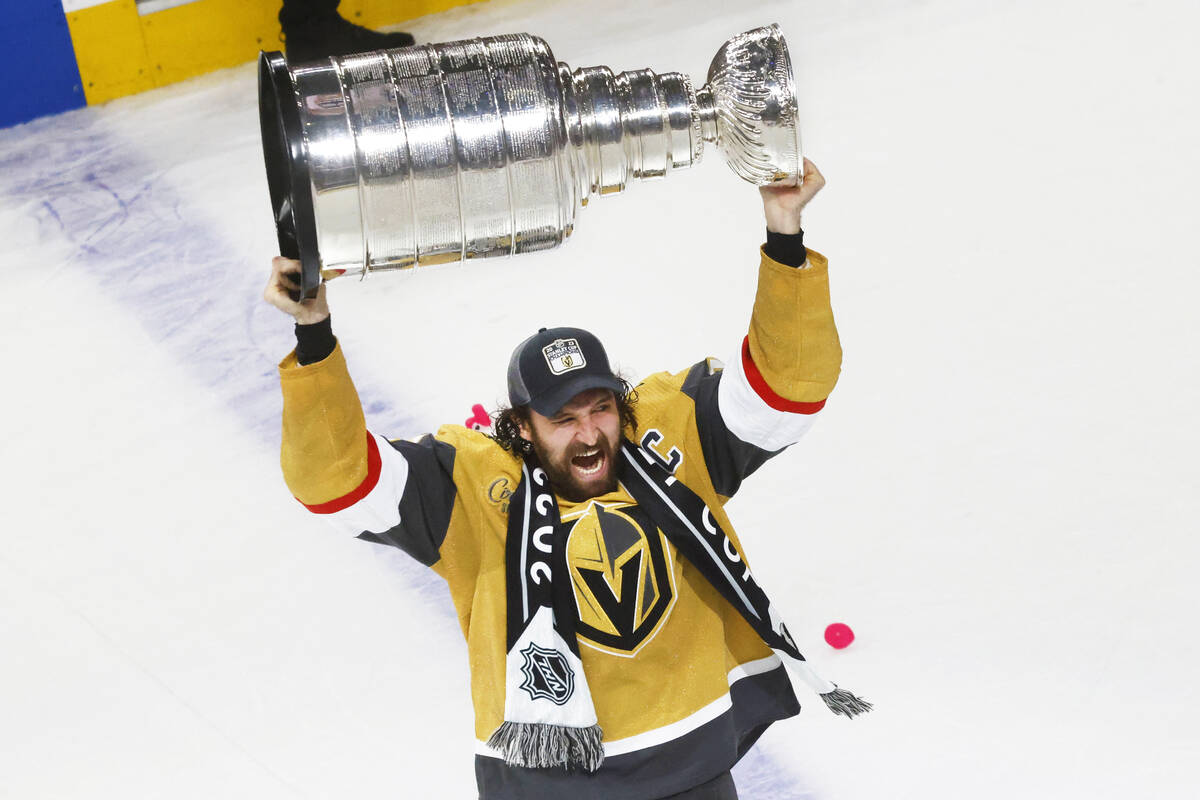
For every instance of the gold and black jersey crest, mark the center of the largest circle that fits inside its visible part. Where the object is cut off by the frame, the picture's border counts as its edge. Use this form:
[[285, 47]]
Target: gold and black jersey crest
[[621, 575]]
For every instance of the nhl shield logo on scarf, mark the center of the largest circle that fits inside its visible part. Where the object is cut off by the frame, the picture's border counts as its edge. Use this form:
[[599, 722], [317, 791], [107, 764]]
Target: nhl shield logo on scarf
[[547, 674]]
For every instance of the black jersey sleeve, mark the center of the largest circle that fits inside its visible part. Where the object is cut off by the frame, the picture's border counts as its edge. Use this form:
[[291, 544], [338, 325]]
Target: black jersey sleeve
[[426, 501], [730, 460]]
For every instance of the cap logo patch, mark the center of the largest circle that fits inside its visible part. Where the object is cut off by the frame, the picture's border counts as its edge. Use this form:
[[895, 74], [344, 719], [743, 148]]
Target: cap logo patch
[[564, 355]]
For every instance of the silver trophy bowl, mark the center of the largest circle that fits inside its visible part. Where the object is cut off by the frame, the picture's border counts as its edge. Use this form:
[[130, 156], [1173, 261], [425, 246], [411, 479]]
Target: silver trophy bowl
[[488, 147]]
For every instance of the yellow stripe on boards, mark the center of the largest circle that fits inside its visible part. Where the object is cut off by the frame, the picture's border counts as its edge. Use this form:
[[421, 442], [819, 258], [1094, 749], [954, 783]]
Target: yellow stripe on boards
[[121, 53], [110, 51], [208, 35]]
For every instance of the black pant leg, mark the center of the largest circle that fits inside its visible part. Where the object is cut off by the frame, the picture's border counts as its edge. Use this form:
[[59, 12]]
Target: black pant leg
[[719, 788], [295, 13]]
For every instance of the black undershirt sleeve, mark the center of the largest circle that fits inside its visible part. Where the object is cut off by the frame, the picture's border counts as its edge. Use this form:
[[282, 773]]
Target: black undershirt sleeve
[[786, 248], [314, 342]]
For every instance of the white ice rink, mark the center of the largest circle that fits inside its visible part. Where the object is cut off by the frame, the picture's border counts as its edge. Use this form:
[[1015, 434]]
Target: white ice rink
[[1002, 497]]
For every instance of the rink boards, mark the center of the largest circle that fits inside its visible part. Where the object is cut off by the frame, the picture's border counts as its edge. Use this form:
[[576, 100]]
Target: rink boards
[[84, 52]]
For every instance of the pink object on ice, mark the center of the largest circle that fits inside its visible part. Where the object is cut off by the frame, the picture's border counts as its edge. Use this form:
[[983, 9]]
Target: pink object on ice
[[839, 635], [479, 419]]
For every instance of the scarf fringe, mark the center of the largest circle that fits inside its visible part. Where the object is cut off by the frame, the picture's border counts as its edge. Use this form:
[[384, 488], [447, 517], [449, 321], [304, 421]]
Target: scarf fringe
[[846, 703], [538, 744]]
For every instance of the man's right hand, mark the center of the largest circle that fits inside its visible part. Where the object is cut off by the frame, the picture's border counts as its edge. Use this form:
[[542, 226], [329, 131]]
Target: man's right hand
[[285, 279]]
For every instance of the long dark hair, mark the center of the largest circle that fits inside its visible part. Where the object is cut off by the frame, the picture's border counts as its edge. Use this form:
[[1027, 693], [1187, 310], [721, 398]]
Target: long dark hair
[[506, 423]]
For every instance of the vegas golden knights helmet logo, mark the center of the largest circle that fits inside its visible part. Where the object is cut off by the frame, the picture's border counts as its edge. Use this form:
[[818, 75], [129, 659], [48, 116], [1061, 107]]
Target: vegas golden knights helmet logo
[[621, 576]]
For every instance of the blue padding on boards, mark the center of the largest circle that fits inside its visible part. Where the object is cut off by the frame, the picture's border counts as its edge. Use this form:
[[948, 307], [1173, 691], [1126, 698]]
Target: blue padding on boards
[[42, 76]]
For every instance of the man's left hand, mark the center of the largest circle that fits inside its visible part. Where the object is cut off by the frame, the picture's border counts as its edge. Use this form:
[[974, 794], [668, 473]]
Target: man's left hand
[[783, 204]]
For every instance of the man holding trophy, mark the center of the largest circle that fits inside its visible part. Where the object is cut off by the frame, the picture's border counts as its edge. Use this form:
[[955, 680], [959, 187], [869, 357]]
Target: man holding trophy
[[620, 646]]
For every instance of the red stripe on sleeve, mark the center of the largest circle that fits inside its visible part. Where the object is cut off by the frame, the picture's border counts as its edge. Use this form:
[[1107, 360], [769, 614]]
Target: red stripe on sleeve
[[759, 384], [374, 465]]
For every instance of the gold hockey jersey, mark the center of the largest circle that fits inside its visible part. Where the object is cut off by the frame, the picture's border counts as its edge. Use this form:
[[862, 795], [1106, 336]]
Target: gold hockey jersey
[[682, 685]]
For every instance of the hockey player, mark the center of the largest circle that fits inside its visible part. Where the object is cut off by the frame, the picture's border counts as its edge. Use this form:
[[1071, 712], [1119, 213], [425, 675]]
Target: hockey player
[[619, 646]]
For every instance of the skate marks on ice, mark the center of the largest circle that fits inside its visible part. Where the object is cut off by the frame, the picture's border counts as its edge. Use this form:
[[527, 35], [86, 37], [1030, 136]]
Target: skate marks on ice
[[193, 595], [760, 777], [119, 222]]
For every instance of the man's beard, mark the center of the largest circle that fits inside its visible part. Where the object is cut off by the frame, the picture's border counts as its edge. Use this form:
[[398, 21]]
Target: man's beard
[[563, 479]]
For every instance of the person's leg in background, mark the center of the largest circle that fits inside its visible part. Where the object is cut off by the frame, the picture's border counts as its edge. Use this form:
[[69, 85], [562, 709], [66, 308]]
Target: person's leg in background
[[313, 29]]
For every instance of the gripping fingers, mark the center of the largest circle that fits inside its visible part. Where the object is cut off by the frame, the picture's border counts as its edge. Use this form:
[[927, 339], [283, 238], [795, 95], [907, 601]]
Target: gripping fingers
[[812, 182], [282, 290], [291, 281]]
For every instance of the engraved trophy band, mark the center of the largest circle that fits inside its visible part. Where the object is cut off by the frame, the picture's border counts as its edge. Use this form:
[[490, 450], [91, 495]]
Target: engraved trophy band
[[488, 147]]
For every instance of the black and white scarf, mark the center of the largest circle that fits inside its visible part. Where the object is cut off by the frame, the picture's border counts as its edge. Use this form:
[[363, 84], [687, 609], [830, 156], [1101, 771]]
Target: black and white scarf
[[549, 719]]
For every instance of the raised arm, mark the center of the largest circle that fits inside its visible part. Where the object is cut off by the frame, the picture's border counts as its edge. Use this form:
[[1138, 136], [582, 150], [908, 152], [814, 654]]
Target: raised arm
[[325, 451], [770, 392], [397, 493], [791, 353]]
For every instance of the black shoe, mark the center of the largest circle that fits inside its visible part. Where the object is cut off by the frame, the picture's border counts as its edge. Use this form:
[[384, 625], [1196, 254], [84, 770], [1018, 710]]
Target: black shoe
[[331, 35]]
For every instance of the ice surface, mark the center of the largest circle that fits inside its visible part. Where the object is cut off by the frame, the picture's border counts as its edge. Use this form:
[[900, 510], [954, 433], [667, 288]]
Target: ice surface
[[1001, 497]]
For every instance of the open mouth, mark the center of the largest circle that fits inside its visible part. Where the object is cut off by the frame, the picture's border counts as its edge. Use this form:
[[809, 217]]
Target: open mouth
[[589, 463]]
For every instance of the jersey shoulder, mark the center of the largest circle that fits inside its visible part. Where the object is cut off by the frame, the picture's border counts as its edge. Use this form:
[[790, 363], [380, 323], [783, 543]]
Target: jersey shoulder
[[665, 395], [478, 458]]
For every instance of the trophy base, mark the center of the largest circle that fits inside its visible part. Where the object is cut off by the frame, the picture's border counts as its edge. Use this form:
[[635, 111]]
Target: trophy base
[[287, 170]]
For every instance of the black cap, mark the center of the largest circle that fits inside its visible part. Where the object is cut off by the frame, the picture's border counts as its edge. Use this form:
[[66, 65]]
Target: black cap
[[554, 365]]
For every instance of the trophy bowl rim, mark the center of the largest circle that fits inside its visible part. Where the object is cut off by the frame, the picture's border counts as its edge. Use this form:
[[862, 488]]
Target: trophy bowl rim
[[747, 150]]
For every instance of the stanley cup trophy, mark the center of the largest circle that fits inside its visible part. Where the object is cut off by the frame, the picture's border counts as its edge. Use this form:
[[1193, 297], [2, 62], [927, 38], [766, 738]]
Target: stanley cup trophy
[[488, 147]]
